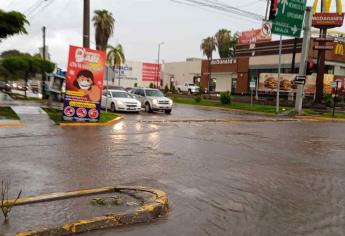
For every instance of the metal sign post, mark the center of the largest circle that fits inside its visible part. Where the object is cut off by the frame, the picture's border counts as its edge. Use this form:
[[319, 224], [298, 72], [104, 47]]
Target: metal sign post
[[279, 69], [252, 87], [335, 98]]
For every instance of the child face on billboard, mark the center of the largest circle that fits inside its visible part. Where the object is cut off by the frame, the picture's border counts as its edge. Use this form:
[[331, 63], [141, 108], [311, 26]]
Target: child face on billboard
[[84, 80]]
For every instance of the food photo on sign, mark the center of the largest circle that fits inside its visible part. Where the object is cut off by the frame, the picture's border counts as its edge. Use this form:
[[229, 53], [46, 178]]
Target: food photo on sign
[[84, 84], [268, 83]]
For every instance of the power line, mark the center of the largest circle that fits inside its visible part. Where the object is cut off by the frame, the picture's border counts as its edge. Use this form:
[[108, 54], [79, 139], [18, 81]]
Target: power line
[[33, 7], [222, 7], [210, 10], [41, 9]]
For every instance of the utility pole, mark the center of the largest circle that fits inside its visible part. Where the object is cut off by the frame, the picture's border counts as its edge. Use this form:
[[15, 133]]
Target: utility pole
[[43, 87], [304, 55], [158, 67], [86, 24]]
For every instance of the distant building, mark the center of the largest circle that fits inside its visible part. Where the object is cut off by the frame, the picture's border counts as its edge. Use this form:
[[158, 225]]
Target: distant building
[[178, 73]]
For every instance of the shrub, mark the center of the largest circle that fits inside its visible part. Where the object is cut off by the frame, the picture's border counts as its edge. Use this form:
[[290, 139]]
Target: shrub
[[173, 89], [166, 89], [328, 100], [151, 85], [197, 99], [225, 98], [135, 85]]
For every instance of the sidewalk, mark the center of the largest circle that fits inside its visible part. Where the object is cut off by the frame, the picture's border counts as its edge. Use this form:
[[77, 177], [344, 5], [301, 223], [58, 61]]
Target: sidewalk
[[31, 114]]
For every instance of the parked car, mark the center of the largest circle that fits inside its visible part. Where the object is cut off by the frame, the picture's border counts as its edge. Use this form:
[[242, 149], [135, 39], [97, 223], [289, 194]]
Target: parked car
[[188, 88], [153, 100], [120, 100], [5, 86]]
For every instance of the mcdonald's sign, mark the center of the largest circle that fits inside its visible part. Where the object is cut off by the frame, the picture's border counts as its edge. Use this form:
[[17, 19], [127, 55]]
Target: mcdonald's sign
[[326, 19], [327, 6], [339, 49]]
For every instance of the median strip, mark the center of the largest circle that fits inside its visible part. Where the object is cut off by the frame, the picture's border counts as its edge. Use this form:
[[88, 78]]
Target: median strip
[[154, 207]]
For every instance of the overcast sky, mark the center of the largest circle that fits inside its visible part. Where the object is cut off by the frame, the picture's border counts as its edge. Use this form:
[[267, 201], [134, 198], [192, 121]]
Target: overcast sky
[[140, 26]]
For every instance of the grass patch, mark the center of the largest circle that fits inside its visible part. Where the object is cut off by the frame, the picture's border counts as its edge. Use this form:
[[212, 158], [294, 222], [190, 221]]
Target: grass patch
[[233, 105], [55, 115], [327, 114], [8, 113]]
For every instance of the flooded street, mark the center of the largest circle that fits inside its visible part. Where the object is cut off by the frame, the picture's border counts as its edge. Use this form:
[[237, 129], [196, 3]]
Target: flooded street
[[259, 176]]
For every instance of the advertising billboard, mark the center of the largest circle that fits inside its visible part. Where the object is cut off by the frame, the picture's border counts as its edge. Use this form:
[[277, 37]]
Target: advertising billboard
[[268, 83], [84, 84], [253, 36], [151, 72]]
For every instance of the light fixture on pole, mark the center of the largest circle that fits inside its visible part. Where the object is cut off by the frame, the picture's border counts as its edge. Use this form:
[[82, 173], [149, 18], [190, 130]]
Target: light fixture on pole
[[158, 67]]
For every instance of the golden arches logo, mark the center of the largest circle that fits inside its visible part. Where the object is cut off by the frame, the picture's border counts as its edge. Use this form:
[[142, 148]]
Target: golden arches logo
[[339, 49], [327, 6]]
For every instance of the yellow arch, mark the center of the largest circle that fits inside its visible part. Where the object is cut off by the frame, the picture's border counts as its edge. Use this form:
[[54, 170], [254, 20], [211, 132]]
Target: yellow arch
[[327, 6]]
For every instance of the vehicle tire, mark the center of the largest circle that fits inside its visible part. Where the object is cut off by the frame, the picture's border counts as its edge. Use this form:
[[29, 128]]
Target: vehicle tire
[[167, 111], [113, 107], [148, 107], [179, 90]]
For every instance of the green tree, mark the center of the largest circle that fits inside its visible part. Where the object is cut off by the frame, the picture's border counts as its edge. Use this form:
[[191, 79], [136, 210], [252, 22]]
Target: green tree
[[25, 65], [116, 57], [12, 52], [104, 23], [208, 46], [12, 23], [226, 43]]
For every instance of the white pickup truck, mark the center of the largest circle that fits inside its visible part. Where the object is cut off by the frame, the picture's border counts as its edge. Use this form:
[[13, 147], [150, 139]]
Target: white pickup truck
[[188, 88]]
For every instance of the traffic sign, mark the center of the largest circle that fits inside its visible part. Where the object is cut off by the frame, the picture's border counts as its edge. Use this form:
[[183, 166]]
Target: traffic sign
[[252, 84], [333, 84], [289, 18]]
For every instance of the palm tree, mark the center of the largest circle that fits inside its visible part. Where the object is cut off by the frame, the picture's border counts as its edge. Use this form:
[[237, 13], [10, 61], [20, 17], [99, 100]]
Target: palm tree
[[223, 38], [208, 46], [104, 26], [116, 57], [226, 43]]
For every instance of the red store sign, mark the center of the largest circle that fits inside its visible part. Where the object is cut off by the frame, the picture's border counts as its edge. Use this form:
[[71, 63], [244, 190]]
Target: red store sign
[[327, 20]]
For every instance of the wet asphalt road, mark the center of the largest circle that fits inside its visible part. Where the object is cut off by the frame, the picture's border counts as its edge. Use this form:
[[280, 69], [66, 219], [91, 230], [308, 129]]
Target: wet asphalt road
[[222, 178]]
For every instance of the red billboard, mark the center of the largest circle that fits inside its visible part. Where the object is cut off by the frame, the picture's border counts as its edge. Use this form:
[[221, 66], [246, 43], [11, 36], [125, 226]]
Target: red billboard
[[151, 72], [253, 36], [327, 20], [84, 84]]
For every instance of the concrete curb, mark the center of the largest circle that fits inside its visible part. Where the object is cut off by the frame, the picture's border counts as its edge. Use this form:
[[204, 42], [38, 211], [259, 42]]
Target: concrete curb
[[17, 124], [319, 118], [155, 207], [111, 122]]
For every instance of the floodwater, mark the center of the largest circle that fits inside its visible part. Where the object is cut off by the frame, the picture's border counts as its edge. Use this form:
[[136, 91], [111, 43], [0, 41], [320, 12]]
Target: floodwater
[[256, 177], [56, 213]]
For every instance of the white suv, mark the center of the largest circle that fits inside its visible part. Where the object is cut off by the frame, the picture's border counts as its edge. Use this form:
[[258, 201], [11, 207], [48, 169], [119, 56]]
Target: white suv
[[153, 100]]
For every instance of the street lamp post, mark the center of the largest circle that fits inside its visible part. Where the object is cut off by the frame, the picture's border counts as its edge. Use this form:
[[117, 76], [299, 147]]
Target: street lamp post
[[158, 67]]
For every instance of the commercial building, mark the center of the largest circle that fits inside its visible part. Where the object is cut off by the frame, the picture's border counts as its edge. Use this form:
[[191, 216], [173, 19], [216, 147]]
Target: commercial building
[[133, 73], [264, 58], [225, 75], [178, 73]]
